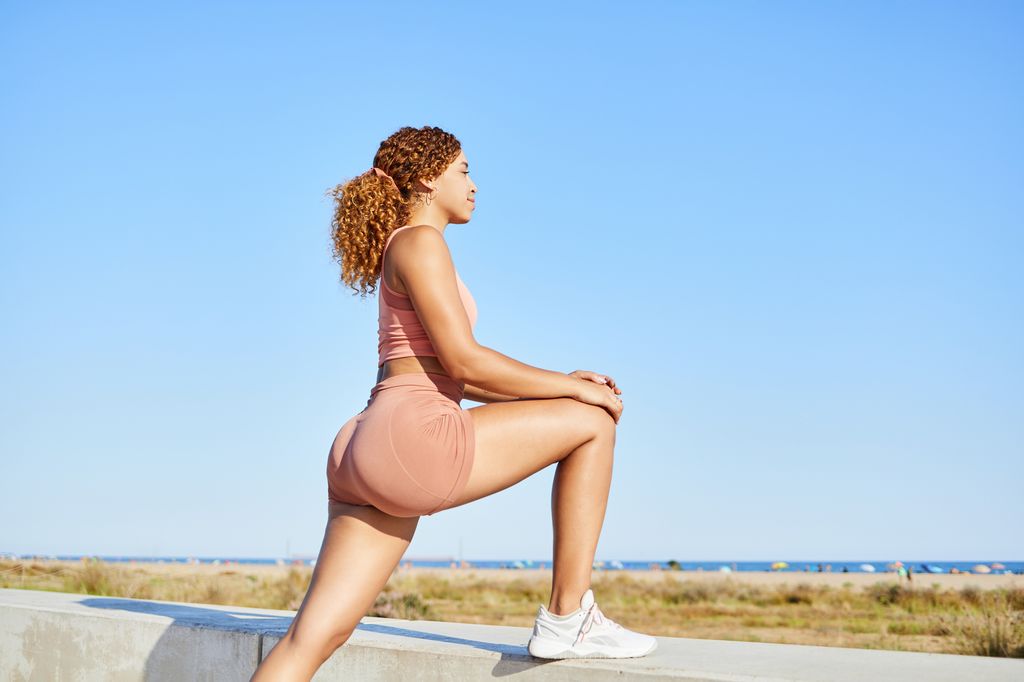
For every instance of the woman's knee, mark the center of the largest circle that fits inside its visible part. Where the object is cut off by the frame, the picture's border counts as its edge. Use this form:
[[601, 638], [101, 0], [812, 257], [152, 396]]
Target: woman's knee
[[598, 422], [587, 421], [317, 646], [336, 642]]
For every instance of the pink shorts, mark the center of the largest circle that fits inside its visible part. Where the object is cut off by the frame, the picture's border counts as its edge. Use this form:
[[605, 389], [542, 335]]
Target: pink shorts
[[409, 452]]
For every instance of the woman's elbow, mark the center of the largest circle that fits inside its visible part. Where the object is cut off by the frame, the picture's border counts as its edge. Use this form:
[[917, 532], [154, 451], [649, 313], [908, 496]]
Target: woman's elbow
[[463, 364]]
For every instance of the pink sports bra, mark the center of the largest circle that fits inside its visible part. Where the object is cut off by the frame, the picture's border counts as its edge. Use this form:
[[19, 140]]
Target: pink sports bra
[[400, 333]]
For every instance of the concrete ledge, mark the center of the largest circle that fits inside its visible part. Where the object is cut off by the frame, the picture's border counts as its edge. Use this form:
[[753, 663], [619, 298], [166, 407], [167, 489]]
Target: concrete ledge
[[54, 635]]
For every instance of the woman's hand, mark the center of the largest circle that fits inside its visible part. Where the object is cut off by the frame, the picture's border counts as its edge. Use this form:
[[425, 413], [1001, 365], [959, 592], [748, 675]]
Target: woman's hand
[[595, 392], [596, 378]]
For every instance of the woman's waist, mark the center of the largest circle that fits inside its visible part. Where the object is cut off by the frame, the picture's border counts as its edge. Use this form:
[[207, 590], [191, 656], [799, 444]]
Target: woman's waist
[[414, 364], [406, 381]]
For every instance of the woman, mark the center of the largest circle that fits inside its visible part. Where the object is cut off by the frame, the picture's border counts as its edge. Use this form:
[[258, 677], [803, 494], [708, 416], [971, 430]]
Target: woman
[[414, 450]]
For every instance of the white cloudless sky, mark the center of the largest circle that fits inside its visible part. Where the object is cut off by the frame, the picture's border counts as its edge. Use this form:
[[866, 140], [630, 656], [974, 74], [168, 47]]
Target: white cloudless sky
[[792, 233]]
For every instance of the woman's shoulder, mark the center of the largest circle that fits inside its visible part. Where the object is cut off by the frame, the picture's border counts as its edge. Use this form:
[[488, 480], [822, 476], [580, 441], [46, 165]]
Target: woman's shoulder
[[429, 247], [423, 239]]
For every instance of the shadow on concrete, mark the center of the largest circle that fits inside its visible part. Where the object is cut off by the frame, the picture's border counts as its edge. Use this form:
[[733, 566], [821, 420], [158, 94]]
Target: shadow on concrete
[[513, 649], [190, 614]]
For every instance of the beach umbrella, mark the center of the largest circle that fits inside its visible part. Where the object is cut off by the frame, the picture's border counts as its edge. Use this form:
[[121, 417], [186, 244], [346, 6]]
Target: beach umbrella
[[981, 568], [778, 565], [724, 569], [868, 568], [998, 566]]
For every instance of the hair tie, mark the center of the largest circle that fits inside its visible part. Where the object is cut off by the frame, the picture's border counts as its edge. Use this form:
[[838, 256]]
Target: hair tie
[[382, 174]]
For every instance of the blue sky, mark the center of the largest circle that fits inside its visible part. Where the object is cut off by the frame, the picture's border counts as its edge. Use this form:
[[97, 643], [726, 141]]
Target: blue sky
[[793, 234]]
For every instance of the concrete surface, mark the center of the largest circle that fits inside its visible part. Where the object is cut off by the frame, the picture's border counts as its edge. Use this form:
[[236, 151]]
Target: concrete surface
[[58, 636]]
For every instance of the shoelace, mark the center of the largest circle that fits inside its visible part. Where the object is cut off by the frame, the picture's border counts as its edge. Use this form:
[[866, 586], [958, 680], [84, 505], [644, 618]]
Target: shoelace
[[594, 615]]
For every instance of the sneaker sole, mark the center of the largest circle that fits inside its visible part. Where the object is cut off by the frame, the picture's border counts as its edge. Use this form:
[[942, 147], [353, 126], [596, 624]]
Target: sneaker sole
[[546, 648]]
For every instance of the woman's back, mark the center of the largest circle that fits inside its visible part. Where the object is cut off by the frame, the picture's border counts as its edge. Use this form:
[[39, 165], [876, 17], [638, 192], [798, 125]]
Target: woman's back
[[400, 332]]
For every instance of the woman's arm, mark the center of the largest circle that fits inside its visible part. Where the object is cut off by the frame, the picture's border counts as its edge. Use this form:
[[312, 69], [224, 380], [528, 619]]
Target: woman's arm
[[481, 395], [425, 266]]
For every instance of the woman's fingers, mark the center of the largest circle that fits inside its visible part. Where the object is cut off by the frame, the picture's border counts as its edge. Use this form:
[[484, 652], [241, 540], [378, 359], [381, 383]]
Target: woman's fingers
[[598, 378], [611, 383]]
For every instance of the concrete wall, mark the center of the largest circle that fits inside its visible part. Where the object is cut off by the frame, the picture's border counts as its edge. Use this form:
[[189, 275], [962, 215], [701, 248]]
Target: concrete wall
[[49, 636]]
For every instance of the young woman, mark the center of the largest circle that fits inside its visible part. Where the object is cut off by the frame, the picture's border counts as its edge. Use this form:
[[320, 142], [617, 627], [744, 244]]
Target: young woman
[[415, 451]]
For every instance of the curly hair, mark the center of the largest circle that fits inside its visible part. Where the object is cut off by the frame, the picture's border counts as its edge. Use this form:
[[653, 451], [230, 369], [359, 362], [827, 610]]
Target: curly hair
[[368, 207]]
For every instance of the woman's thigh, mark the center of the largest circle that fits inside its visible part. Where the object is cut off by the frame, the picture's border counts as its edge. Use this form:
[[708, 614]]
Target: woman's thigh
[[361, 547], [516, 439]]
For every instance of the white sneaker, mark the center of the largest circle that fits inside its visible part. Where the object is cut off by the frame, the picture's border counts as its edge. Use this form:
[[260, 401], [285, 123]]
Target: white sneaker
[[585, 633]]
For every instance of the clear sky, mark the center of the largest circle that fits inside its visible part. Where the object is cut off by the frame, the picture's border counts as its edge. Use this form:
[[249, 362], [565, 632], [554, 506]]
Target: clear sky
[[793, 234]]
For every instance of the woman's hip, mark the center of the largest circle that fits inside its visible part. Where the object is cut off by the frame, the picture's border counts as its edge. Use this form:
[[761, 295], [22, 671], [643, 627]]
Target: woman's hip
[[411, 442]]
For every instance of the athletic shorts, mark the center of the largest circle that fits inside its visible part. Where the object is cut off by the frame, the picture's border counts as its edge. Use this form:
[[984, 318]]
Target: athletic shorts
[[409, 452]]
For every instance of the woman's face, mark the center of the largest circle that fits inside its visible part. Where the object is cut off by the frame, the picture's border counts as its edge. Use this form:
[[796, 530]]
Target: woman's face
[[456, 192]]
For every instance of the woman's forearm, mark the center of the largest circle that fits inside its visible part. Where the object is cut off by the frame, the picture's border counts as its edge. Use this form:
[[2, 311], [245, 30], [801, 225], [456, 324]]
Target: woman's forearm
[[489, 370], [481, 395]]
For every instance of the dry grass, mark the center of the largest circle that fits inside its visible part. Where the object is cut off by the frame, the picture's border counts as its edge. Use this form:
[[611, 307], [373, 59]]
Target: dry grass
[[882, 615]]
